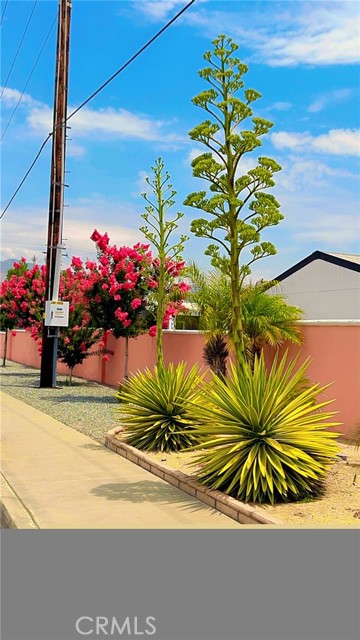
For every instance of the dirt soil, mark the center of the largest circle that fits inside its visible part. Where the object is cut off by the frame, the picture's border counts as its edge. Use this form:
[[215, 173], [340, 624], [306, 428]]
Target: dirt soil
[[339, 506]]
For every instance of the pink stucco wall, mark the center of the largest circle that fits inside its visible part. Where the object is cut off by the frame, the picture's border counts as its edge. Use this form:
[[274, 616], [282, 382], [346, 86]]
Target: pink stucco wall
[[334, 350]]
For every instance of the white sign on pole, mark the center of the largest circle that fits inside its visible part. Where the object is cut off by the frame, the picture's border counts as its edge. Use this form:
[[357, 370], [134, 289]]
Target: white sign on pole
[[56, 313]]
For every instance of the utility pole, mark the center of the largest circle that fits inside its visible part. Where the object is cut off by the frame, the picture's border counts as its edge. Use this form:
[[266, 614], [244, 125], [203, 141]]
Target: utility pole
[[56, 203]]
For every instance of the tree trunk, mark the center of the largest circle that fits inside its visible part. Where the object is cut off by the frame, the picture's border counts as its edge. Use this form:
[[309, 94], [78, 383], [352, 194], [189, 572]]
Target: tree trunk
[[5, 347], [126, 367]]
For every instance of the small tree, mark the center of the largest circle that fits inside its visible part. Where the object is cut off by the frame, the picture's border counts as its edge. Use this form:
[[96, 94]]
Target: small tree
[[117, 286], [169, 255], [22, 297], [239, 207], [23, 304], [76, 340]]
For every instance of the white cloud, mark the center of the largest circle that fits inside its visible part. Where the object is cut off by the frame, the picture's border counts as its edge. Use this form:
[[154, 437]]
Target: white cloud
[[329, 99], [280, 106], [334, 230], [335, 142], [159, 9], [305, 173], [289, 34], [141, 184], [193, 153], [24, 230], [104, 124], [10, 97], [74, 150], [339, 141]]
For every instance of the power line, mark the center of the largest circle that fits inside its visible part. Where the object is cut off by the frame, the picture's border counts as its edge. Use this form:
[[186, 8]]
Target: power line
[[26, 174], [140, 51], [29, 78], [18, 49], [149, 42], [3, 13]]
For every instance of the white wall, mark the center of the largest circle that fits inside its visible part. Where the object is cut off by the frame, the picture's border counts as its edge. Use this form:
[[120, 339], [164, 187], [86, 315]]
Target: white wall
[[324, 291]]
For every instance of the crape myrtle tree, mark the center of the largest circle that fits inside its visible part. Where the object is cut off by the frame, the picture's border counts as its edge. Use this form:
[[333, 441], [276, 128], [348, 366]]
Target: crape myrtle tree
[[118, 284], [238, 206], [23, 305], [8, 314], [22, 298], [168, 263], [80, 335]]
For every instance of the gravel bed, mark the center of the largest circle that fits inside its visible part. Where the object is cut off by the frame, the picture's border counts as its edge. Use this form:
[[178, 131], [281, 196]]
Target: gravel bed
[[85, 406]]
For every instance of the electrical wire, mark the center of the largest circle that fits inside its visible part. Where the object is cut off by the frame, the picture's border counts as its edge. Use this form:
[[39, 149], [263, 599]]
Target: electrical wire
[[19, 47], [149, 42], [3, 13], [26, 175], [136, 55], [28, 80]]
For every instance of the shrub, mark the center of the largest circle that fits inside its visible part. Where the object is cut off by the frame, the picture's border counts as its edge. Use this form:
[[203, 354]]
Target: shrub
[[154, 408], [216, 353], [262, 442]]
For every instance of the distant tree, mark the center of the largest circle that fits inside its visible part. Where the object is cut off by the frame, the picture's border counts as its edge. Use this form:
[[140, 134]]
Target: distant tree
[[238, 206]]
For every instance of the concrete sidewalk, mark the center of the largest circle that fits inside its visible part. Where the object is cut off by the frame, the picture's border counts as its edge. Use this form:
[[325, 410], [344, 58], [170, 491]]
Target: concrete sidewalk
[[54, 477]]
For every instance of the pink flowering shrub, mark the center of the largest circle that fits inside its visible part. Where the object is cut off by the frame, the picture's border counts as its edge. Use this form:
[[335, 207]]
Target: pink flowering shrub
[[116, 293]]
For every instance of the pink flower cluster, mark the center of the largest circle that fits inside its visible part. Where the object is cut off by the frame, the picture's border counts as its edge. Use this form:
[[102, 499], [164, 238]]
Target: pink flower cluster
[[120, 283]]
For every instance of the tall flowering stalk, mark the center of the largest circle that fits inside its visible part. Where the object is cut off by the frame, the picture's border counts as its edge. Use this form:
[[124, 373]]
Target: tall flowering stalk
[[168, 264]]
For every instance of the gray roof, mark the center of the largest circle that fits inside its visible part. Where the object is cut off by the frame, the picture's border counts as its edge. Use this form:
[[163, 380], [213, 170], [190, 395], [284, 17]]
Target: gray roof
[[345, 260]]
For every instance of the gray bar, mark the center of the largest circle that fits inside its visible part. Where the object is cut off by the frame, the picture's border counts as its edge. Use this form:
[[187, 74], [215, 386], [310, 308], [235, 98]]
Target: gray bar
[[255, 584]]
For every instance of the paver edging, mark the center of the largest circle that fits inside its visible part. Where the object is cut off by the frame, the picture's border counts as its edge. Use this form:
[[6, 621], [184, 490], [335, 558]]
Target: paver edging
[[243, 513]]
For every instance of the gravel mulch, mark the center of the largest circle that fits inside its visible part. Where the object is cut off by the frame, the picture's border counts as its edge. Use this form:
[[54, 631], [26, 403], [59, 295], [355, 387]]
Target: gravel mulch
[[85, 406]]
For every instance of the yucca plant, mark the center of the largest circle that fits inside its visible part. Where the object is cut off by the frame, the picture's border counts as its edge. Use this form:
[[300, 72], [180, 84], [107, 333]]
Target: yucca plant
[[154, 408], [262, 443]]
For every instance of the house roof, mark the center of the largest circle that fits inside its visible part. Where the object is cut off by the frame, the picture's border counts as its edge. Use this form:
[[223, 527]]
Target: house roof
[[345, 260]]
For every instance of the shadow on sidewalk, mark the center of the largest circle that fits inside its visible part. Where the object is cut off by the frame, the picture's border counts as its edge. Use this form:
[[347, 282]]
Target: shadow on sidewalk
[[147, 491]]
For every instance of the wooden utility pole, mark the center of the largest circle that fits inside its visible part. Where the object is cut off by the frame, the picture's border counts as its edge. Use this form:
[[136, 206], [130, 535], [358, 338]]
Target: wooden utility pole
[[55, 223]]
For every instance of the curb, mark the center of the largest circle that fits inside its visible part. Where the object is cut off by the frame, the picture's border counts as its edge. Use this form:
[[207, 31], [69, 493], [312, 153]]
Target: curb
[[13, 514], [227, 505]]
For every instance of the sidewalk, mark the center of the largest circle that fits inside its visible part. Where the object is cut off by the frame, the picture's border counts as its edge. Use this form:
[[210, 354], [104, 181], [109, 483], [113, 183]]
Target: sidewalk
[[53, 477]]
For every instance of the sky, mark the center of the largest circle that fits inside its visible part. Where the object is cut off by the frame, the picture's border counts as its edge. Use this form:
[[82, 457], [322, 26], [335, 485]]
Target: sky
[[302, 56]]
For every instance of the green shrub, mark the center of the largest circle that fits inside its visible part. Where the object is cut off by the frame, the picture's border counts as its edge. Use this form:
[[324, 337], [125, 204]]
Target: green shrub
[[154, 408], [260, 442]]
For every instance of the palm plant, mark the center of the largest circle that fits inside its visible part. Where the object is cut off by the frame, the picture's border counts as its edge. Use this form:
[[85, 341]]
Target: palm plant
[[155, 414], [262, 441], [266, 318]]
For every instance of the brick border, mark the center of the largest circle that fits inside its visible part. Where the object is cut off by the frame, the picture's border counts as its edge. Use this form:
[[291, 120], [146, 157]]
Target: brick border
[[239, 511]]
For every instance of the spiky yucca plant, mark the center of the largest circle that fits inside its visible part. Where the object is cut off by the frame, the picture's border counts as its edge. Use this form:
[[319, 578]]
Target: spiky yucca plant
[[154, 408], [260, 442]]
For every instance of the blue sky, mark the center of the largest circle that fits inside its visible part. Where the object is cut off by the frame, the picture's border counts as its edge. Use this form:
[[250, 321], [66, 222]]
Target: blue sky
[[302, 57]]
